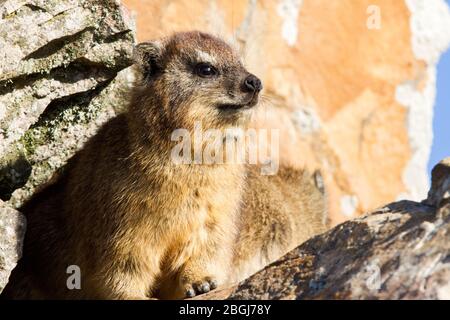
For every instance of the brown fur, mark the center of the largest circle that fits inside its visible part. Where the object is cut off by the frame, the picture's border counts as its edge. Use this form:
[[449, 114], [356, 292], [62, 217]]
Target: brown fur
[[279, 212], [139, 225]]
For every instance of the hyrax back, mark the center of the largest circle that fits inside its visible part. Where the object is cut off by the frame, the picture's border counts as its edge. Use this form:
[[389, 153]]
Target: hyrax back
[[279, 212], [135, 222]]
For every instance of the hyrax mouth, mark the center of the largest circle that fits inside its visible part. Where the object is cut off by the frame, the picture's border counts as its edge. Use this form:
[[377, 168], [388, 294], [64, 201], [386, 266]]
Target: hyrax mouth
[[239, 106], [232, 106]]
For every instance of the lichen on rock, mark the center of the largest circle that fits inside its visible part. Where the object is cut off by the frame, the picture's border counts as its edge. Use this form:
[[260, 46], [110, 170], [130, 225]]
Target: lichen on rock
[[63, 72]]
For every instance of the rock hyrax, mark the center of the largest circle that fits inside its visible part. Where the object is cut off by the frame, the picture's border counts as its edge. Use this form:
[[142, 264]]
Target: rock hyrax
[[139, 225]]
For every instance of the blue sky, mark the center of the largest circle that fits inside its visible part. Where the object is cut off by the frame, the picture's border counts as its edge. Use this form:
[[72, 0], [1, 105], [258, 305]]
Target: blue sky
[[441, 121]]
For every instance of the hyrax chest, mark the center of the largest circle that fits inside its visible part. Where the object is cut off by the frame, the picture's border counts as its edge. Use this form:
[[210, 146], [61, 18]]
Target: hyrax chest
[[203, 212]]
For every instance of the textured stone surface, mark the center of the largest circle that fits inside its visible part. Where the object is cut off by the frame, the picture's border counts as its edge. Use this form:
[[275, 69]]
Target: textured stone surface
[[12, 231], [61, 76], [439, 194], [352, 100], [401, 251]]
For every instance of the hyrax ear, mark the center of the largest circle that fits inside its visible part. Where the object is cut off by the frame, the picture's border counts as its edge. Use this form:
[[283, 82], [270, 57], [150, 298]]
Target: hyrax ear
[[147, 56]]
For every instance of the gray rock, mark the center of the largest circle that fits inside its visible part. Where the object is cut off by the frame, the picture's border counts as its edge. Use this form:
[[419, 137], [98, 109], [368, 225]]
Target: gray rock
[[63, 72], [439, 194], [12, 231], [399, 252]]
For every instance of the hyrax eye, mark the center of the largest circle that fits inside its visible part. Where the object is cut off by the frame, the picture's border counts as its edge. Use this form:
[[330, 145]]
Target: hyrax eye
[[205, 70]]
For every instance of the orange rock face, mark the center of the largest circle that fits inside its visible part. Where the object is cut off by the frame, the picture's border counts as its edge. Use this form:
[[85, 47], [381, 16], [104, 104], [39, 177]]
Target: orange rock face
[[331, 71]]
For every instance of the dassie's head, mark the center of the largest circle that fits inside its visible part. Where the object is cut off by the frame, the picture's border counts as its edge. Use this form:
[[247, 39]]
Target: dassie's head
[[193, 76]]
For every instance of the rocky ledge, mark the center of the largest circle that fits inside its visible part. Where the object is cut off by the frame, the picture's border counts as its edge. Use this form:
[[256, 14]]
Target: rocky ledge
[[401, 251]]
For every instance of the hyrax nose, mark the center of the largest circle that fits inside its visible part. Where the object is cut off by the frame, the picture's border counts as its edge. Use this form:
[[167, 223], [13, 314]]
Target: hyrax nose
[[252, 84]]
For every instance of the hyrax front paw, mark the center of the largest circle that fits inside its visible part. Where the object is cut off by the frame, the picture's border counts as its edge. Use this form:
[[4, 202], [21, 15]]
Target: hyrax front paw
[[203, 286]]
